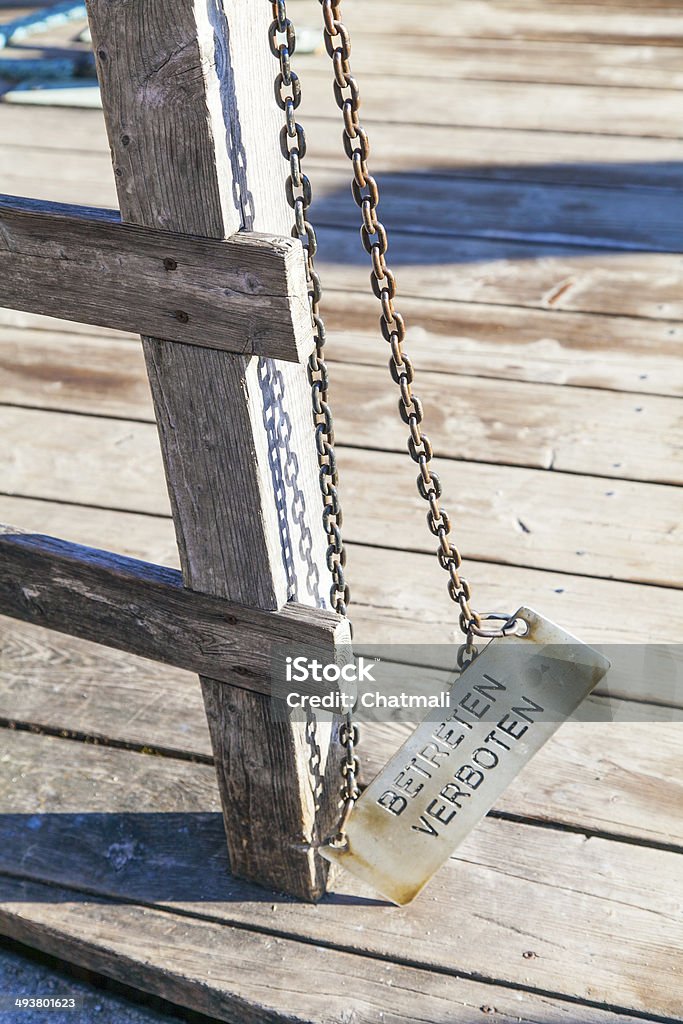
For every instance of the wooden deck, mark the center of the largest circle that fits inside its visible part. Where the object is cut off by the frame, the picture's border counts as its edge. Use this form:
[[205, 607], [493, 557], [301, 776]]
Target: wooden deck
[[532, 175]]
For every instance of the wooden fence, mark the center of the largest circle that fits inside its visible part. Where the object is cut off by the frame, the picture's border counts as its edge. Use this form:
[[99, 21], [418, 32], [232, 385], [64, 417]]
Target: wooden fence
[[202, 264]]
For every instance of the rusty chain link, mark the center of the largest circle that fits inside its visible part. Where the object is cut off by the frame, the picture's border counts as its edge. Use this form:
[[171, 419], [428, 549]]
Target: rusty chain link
[[365, 190], [282, 41], [375, 242]]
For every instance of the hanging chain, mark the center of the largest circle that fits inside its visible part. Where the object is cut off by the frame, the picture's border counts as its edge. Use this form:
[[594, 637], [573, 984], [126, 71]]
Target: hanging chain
[[282, 40], [375, 242]]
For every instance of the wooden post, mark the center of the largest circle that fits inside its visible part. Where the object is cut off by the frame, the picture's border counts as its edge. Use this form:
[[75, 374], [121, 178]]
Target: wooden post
[[187, 88]]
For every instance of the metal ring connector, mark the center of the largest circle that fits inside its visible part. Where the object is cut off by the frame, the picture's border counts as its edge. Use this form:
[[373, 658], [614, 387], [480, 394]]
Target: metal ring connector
[[512, 626]]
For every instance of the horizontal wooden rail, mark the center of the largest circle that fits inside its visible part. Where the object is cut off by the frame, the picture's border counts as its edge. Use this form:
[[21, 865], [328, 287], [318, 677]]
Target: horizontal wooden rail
[[144, 609], [247, 294]]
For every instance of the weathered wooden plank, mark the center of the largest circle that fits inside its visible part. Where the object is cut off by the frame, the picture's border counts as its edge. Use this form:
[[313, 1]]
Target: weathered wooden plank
[[246, 294], [604, 110], [490, 58], [194, 135], [502, 272], [49, 365], [632, 437], [589, 777], [526, 105], [513, 273], [104, 936], [575, 23], [589, 431], [144, 609], [31, 136], [583, 525], [546, 346], [24, 976], [507, 514], [472, 269], [71, 687], [385, 612], [50, 454], [543, 213], [402, 597], [617, 902], [510, 59]]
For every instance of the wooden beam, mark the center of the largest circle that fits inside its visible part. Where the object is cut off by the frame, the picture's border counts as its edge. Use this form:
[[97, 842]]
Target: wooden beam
[[194, 131], [246, 294], [208, 967], [144, 609], [585, 778], [110, 824]]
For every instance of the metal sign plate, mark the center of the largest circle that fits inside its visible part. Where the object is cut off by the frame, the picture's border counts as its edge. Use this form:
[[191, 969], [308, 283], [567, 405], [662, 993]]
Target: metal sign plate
[[453, 768]]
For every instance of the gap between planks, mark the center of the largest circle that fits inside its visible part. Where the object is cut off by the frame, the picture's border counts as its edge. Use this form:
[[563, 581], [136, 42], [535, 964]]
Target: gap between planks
[[93, 934], [592, 885], [632, 437], [506, 153], [586, 780]]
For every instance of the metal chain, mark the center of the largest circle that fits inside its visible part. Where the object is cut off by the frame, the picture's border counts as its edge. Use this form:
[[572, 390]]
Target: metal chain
[[375, 242], [282, 41]]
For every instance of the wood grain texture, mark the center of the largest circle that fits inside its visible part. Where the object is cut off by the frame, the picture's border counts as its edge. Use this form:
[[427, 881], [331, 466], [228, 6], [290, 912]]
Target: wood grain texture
[[543, 273], [44, 363], [513, 273], [527, 516], [439, 56], [573, 430], [32, 137], [398, 596], [555, 521], [494, 207], [617, 902], [246, 294], [103, 935], [585, 895], [145, 609], [586, 778], [537, 345], [194, 137], [622, 21], [627, 219], [386, 612], [535, 106], [616, 435]]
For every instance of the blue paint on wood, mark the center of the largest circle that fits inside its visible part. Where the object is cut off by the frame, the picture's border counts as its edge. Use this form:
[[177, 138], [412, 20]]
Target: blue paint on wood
[[39, 21]]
